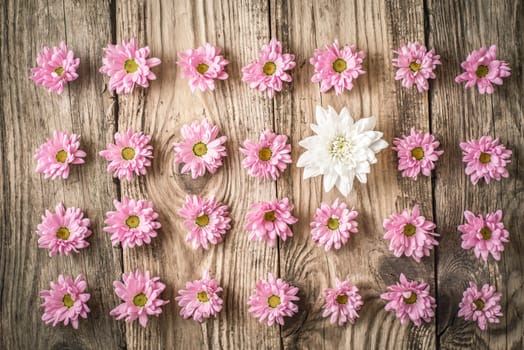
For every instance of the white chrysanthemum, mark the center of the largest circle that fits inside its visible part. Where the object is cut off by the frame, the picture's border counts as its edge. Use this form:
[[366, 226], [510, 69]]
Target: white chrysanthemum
[[341, 150]]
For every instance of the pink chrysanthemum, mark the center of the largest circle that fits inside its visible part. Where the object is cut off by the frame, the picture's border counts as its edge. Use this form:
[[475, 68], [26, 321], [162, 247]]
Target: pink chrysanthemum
[[200, 299], [269, 70], [486, 159], [410, 234], [485, 235], [269, 157], [337, 67], [127, 65], [481, 306], [65, 301], [206, 220], [55, 68], [342, 303], [133, 223], [415, 65], [268, 220], [333, 225], [482, 68], [202, 66], [201, 149], [141, 296], [63, 231], [272, 300], [55, 155], [410, 300], [417, 152], [130, 154]]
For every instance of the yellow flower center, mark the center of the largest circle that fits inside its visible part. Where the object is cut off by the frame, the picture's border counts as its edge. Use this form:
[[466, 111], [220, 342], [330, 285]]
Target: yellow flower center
[[479, 304], [340, 148], [409, 230], [342, 299], [68, 301], [61, 156], [202, 297], [128, 153], [140, 300], [202, 220], [333, 224], [482, 71], [484, 158], [269, 68], [199, 149], [133, 221], [59, 71], [417, 153], [269, 216], [486, 233], [130, 66], [265, 154], [412, 299], [202, 68], [339, 65], [414, 67], [63, 233], [273, 301]]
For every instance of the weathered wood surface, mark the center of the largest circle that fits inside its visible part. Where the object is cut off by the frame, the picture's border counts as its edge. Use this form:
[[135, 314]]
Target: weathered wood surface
[[30, 114]]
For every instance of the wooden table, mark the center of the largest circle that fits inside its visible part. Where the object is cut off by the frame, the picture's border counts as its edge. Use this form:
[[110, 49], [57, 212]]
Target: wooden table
[[30, 114]]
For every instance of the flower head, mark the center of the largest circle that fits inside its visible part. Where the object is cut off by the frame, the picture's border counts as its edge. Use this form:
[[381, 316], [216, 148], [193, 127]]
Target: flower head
[[417, 153], [127, 65], [141, 296], [481, 306], [415, 65], [63, 231], [486, 235], [333, 225], [55, 68], [269, 157], [268, 220], [130, 154], [342, 303], [133, 223], [410, 300], [337, 67], [202, 66], [486, 159], [269, 71], [65, 301], [272, 300], [341, 149], [206, 220], [483, 69], [201, 149], [200, 299], [56, 154], [410, 234]]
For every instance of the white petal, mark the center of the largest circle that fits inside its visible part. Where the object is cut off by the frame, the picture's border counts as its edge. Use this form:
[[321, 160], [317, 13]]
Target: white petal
[[329, 182], [320, 115], [366, 124]]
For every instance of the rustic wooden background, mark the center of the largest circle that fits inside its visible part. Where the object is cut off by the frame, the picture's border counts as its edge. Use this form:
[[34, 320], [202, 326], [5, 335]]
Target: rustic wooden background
[[29, 114]]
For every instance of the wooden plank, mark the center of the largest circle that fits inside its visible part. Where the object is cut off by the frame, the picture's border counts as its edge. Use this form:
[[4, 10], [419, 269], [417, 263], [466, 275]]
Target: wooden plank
[[29, 116], [377, 28], [457, 28]]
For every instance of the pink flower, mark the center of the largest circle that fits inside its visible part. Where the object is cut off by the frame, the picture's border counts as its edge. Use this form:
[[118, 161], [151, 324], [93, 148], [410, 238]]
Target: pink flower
[[65, 301], [410, 235], [206, 219], [133, 223], [482, 68], [485, 235], [201, 149], [415, 65], [64, 231], [202, 66], [482, 306], [342, 303], [269, 157], [131, 153], [141, 296], [410, 300], [485, 158], [268, 220], [200, 299], [336, 67], [416, 153], [333, 225], [272, 300], [269, 71], [55, 68], [127, 65], [55, 155]]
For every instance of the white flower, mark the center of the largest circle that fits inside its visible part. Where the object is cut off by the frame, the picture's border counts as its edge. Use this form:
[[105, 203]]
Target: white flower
[[341, 150]]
